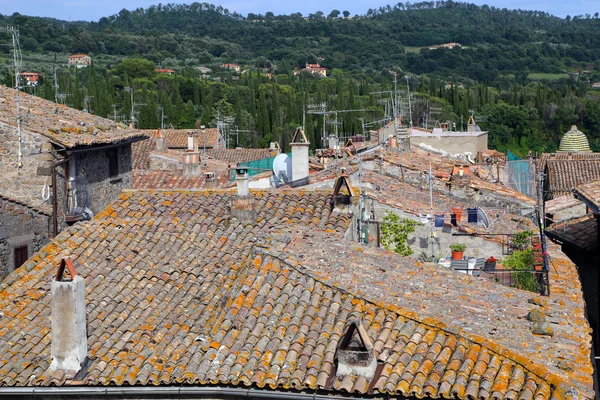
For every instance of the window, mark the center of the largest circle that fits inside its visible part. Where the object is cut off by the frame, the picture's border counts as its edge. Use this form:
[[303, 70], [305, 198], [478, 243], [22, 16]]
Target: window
[[113, 162], [20, 256]]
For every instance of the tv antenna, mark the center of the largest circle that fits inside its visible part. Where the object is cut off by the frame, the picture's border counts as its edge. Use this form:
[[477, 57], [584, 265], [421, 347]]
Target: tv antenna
[[17, 63], [132, 119]]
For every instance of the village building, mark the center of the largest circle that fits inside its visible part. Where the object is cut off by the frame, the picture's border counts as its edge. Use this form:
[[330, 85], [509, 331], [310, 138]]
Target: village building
[[445, 46], [64, 167], [314, 69], [80, 60], [220, 293], [233, 67], [166, 71], [574, 164], [474, 141], [31, 78]]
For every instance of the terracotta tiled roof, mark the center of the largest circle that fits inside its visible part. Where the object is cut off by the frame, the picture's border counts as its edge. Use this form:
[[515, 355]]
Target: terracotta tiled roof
[[178, 138], [589, 193], [68, 127], [41, 208], [579, 232], [148, 179], [564, 175], [560, 203], [140, 151], [234, 156], [179, 294]]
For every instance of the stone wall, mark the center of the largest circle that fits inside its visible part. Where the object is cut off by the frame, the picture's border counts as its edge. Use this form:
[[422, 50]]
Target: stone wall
[[454, 143], [19, 226], [94, 186]]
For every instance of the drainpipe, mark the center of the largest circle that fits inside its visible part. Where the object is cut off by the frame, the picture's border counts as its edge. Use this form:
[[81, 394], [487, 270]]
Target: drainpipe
[[54, 195]]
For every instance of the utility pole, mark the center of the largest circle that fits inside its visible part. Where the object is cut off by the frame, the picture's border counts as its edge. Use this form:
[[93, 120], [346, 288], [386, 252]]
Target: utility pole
[[17, 62], [431, 213], [409, 105], [162, 117]]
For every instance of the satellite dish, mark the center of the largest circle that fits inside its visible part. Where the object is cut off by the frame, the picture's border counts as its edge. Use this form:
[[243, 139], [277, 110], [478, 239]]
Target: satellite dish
[[282, 167], [482, 218]]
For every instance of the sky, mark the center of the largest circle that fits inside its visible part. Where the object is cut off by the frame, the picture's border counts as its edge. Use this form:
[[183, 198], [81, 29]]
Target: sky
[[92, 10]]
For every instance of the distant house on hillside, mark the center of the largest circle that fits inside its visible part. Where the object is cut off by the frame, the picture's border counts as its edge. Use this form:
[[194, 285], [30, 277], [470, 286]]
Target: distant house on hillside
[[80, 60], [234, 67], [32, 78], [445, 45], [314, 69], [164, 71], [596, 85]]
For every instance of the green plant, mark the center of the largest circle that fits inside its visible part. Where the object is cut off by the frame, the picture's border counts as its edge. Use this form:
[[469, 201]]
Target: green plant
[[521, 263], [394, 233], [521, 239], [458, 247]]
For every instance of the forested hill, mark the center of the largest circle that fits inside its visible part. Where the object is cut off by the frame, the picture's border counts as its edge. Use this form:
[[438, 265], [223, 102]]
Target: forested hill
[[495, 41]]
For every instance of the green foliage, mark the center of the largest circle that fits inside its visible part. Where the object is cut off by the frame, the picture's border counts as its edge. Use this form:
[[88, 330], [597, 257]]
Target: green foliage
[[394, 233], [458, 247], [521, 263], [135, 68], [522, 239]]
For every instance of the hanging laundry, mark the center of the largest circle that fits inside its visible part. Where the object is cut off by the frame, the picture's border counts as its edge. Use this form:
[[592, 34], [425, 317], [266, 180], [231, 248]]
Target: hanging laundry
[[453, 219], [424, 218], [439, 220], [472, 215]]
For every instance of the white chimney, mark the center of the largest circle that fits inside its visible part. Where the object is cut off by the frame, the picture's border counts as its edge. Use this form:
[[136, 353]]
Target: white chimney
[[69, 337], [192, 142], [241, 178], [209, 178], [299, 155], [160, 141]]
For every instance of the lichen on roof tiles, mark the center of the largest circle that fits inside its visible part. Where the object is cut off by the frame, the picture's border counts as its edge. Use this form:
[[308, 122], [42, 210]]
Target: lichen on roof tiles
[[63, 125], [180, 293]]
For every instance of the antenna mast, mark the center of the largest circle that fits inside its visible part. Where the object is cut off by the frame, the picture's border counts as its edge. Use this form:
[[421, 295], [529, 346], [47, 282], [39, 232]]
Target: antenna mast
[[17, 61]]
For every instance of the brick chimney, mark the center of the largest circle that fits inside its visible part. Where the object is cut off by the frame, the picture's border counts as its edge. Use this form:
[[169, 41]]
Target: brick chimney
[[299, 156], [69, 337], [160, 141], [242, 204]]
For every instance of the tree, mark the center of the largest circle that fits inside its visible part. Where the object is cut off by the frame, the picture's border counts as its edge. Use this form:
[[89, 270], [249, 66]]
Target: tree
[[135, 68], [394, 233], [347, 14], [333, 14]]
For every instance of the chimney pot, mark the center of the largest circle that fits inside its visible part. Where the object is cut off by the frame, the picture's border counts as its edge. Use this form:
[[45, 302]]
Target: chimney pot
[[241, 178], [69, 337], [209, 178]]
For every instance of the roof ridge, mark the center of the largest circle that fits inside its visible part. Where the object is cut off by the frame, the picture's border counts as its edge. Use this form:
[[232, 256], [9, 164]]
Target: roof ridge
[[535, 368]]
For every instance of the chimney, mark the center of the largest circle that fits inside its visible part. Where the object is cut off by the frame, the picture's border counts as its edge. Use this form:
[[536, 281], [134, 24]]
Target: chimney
[[242, 205], [300, 156], [192, 142], [241, 178], [209, 178], [333, 142], [160, 141], [69, 337]]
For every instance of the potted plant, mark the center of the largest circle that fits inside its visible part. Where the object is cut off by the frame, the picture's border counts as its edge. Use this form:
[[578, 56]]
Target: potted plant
[[490, 264], [457, 250]]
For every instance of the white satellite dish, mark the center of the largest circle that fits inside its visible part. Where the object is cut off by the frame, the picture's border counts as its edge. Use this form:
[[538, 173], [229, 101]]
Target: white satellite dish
[[282, 167]]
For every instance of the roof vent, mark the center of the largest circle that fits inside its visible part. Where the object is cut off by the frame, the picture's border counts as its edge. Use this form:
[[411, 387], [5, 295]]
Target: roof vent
[[342, 193], [355, 353], [69, 337]]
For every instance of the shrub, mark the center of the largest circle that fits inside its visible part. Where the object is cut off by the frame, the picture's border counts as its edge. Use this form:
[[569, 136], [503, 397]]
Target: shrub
[[521, 263], [394, 233], [458, 247]]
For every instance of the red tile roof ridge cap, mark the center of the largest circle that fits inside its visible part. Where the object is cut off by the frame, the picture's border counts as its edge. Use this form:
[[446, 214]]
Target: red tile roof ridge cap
[[529, 365]]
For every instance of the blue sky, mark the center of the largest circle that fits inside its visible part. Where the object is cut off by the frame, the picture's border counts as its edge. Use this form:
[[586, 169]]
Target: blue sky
[[95, 9]]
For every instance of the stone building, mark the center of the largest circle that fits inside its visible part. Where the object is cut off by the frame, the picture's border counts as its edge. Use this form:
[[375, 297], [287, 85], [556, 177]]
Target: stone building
[[61, 166]]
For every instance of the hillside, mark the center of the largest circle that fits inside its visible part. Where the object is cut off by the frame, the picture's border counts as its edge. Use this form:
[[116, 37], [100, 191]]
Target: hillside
[[495, 41]]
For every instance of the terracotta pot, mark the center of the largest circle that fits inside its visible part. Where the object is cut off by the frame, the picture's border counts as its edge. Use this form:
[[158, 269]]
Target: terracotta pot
[[457, 255], [538, 267]]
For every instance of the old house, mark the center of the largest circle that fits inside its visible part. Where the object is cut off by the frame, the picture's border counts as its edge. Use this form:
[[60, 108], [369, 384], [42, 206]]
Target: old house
[[257, 293], [80, 60], [473, 140], [233, 67], [574, 164], [60, 166], [30, 78], [166, 71]]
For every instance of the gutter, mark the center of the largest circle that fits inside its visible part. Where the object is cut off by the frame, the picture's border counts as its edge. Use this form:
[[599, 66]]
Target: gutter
[[165, 391]]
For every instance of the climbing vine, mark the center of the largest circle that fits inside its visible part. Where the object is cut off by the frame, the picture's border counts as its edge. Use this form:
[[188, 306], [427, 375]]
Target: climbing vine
[[394, 233]]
